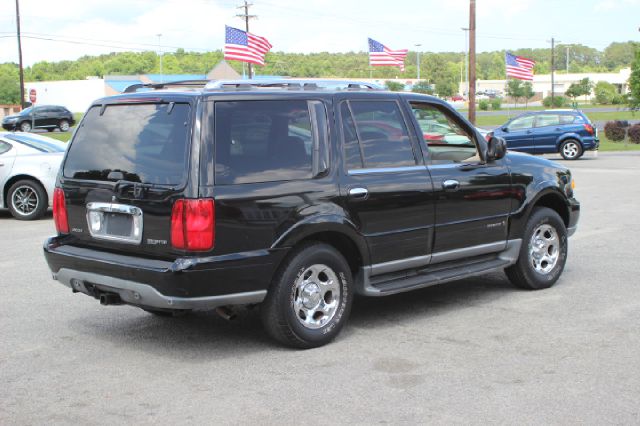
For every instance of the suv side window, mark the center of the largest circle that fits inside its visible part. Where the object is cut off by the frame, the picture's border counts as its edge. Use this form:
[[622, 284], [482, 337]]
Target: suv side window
[[522, 123], [375, 135], [544, 120], [446, 140], [262, 141]]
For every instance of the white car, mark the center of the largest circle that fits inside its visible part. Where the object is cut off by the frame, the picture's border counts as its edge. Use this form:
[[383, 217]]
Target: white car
[[29, 165]]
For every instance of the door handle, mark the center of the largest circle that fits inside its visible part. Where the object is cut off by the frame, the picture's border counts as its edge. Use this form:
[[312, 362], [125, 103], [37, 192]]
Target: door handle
[[1, 164], [359, 193], [450, 185], [529, 131]]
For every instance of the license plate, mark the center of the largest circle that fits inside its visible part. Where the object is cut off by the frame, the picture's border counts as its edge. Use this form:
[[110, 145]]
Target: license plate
[[118, 224]]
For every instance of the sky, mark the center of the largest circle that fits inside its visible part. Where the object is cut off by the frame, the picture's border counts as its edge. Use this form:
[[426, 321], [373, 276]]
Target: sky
[[69, 29]]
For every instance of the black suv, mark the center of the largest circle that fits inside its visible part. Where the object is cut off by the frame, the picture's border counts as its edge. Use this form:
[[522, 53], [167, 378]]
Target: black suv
[[295, 197], [48, 117]]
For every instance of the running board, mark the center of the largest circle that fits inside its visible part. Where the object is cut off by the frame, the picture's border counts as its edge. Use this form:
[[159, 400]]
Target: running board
[[398, 282]]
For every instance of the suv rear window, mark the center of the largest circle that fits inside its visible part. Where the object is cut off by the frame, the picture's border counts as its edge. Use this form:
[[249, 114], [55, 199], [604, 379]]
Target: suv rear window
[[146, 142], [262, 141]]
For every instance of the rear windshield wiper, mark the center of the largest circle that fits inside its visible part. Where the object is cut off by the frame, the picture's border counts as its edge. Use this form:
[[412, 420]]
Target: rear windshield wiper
[[139, 189]]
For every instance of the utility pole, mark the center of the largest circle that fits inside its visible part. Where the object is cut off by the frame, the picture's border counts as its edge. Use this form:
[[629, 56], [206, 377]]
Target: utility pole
[[246, 18], [472, 61], [418, 59], [567, 59], [20, 55], [553, 46], [466, 59]]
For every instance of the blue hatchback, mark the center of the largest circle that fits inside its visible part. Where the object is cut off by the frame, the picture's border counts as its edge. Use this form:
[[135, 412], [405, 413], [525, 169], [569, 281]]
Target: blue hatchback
[[568, 132]]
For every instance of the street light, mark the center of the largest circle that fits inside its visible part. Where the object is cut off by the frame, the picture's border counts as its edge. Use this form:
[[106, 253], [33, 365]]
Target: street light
[[418, 58], [160, 54], [466, 58]]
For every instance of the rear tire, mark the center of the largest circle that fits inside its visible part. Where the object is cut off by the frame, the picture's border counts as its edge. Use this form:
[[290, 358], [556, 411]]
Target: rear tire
[[543, 253], [64, 126], [571, 149], [27, 200], [310, 297]]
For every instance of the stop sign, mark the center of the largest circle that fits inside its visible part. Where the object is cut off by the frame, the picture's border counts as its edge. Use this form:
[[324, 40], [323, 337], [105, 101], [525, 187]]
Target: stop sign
[[32, 96]]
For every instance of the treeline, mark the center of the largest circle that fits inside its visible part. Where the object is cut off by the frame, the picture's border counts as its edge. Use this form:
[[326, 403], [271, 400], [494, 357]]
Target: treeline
[[439, 68]]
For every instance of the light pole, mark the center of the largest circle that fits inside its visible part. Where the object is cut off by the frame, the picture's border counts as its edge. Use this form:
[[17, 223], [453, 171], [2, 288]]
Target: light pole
[[160, 54], [418, 58], [466, 59]]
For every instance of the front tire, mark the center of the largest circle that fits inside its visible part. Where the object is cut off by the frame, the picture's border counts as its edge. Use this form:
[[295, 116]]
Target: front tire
[[25, 126], [64, 126], [571, 149], [310, 297], [27, 200], [543, 253]]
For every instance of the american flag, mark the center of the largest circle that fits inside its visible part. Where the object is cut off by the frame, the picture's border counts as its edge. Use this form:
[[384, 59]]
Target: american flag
[[243, 46], [380, 55], [519, 67]]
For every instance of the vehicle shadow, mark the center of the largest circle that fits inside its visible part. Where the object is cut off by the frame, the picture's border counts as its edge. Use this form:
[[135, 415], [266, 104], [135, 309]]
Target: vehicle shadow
[[5, 214], [202, 336]]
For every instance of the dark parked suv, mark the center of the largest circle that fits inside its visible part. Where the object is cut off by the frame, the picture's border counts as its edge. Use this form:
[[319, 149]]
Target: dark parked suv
[[48, 117], [295, 197], [568, 132]]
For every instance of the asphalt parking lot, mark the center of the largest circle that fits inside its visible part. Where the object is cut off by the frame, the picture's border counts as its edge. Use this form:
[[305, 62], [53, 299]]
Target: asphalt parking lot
[[472, 351]]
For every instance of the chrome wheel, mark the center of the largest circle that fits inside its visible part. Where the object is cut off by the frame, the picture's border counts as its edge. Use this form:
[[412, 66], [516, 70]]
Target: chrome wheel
[[544, 249], [570, 150], [25, 126], [24, 200], [64, 126], [316, 296]]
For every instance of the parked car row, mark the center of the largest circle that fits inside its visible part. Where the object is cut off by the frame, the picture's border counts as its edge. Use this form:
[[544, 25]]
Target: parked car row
[[29, 165], [48, 117]]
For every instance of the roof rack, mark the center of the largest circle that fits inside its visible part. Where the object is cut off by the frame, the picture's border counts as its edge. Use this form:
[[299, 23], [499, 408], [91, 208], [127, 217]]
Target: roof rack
[[291, 84], [196, 84]]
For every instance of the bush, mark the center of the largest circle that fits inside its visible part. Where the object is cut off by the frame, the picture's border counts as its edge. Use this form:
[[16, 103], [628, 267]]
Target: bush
[[634, 133], [615, 130], [619, 99], [483, 104], [558, 102], [394, 86], [496, 103]]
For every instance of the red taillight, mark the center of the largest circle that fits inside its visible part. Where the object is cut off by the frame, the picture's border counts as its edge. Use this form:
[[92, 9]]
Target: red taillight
[[589, 128], [60, 212], [193, 225]]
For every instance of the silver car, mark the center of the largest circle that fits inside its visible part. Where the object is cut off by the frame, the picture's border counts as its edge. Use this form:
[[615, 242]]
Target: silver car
[[29, 165]]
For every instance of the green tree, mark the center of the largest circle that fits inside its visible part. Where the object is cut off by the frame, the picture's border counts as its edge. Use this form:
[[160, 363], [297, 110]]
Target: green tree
[[605, 92], [634, 84], [618, 55], [9, 84], [515, 89], [527, 92]]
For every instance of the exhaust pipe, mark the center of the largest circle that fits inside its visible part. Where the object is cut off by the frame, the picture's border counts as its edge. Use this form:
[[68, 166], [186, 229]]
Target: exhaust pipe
[[110, 299]]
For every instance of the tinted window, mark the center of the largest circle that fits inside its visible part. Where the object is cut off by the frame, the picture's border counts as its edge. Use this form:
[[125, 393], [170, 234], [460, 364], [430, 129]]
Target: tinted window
[[353, 157], [567, 119], [547, 120], [37, 142], [383, 136], [4, 147], [261, 141], [146, 142], [522, 123]]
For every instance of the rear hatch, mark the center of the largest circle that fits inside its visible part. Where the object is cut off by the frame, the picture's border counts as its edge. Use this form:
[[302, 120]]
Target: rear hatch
[[126, 165]]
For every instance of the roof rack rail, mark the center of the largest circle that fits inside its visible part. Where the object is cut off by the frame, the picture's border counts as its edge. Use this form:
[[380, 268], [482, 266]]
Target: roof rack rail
[[157, 86], [291, 84]]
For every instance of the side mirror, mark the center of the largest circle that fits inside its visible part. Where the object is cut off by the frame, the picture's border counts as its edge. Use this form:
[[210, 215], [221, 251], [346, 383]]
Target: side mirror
[[496, 148], [505, 129]]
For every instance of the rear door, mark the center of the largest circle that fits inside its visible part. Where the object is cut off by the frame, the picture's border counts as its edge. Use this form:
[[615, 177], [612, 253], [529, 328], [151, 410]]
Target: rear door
[[519, 134], [385, 185], [125, 167], [7, 157], [546, 132]]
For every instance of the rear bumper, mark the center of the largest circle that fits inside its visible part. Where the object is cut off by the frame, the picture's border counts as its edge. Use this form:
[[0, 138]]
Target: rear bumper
[[184, 283], [134, 293]]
